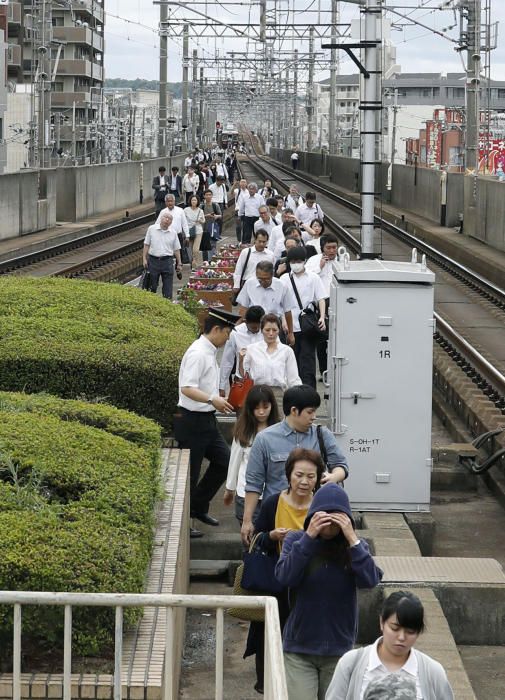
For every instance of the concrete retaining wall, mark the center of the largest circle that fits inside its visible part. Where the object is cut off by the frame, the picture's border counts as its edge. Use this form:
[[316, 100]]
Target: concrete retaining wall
[[96, 189], [414, 189], [489, 224], [27, 202]]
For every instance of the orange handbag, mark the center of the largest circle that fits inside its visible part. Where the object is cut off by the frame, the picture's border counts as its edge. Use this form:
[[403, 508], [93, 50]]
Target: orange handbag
[[239, 389]]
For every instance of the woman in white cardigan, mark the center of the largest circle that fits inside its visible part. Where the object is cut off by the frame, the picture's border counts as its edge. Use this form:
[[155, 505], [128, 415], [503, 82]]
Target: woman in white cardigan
[[401, 623]]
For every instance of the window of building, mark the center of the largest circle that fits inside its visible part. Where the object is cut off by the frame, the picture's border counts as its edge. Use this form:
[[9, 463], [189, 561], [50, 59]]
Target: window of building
[[57, 21], [58, 86], [501, 93]]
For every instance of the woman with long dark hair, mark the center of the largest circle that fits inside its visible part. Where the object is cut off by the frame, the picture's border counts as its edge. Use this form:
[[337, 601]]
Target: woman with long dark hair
[[259, 411], [323, 565], [280, 514], [401, 622]]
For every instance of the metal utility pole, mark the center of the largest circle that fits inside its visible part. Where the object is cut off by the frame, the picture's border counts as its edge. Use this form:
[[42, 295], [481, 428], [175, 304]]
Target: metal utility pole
[[285, 130], [473, 41], [200, 109], [185, 85], [44, 83], [142, 133], [193, 98], [310, 92], [295, 99], [393, 141], [162, 121], [371, 107], [332, 115]]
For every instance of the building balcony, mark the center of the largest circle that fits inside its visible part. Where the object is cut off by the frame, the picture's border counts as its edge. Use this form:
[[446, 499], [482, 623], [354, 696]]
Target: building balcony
[[92, 7], [79, 35], [14, 13], [14, 56], [81, 68], [67, 99]]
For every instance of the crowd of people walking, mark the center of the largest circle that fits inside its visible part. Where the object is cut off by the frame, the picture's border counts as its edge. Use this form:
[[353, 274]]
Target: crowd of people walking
[[284, 473]]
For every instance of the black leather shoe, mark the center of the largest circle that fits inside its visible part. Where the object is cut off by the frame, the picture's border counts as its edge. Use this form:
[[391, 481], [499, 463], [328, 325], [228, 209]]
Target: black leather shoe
[[206, 518], [258, 687], [194, 534]]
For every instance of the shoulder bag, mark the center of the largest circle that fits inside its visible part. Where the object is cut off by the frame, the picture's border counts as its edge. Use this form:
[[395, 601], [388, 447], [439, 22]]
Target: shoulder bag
[[308, 317], [239, 390], [241, 283], [257, 569]]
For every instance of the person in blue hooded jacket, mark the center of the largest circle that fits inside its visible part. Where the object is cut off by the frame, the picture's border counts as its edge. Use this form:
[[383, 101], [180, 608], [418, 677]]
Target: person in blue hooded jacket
[[323, 565]]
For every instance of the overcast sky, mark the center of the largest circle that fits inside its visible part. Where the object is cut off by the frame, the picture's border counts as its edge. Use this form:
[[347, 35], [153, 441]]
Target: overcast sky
[[132, 44]]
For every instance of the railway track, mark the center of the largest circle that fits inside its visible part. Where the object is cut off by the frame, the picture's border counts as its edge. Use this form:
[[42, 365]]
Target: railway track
[[470, 310], [112, 253]]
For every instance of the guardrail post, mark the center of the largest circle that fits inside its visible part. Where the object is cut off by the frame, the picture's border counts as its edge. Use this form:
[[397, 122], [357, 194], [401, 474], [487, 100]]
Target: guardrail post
[[16, 660], [168, 684], [219, 652], [118, 652], [67, 654]]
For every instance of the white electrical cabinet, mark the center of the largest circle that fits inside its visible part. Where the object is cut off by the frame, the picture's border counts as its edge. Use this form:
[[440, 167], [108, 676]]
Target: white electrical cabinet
[[380, 378]]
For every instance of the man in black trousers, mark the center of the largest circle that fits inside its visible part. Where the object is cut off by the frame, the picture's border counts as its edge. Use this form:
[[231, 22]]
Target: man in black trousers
[[195, 424]]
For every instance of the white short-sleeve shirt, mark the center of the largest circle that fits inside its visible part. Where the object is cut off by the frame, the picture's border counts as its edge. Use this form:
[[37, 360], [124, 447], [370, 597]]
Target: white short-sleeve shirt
[[199, 369], [310, 288], [161, 242], [276, 299]]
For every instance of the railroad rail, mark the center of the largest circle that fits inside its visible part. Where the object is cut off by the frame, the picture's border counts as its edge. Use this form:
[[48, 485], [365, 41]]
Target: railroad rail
[[99, 265], [480, 370]]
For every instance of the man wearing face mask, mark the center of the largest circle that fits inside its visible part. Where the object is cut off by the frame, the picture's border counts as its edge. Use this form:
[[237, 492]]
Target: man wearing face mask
[[307, 289]]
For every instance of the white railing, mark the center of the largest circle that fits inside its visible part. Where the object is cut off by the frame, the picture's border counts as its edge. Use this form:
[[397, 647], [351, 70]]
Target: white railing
[[275, 681]]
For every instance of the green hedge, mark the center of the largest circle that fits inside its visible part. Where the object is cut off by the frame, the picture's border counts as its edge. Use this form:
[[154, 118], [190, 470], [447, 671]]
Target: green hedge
[[97, 341], [78, 489]]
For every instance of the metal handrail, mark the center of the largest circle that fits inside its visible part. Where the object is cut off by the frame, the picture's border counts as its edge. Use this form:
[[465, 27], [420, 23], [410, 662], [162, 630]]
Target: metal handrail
[[275, 680]]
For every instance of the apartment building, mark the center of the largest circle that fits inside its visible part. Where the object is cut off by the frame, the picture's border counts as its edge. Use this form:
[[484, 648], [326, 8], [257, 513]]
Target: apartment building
[[58, 46]]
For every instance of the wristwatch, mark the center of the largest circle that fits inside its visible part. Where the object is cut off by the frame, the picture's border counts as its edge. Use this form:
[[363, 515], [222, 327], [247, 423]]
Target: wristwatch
[[210, 400]]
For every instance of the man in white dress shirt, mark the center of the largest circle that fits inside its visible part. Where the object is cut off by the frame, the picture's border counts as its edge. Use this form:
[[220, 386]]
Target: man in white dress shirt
[[190, 184], [265, 222], [195, 424], [307, 212], [277, 233], [268, 292], [322, 265], [249, 210], [161, 246], [249, 258], [179, 221], [237, 193], [310, 290], [241, 337], [294, 198]]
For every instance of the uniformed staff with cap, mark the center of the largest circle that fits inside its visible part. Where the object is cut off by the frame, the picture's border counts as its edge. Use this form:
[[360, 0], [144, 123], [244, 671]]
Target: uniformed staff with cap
[[195, 424]]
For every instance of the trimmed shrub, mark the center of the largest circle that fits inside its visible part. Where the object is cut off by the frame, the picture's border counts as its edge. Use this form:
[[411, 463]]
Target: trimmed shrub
[[77, 339], [76, 510]]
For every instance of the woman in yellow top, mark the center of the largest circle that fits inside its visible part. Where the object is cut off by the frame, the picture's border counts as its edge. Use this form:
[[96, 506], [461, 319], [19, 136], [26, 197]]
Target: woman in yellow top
[[279, 514]]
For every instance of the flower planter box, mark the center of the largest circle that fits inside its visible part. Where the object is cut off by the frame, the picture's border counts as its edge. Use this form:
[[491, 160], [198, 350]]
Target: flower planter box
[[212, 297]]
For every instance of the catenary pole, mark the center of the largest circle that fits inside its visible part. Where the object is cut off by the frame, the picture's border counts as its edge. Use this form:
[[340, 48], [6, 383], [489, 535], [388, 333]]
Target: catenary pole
[[162, 120], [310, 92], [473, 65], [193, 98], [332, 112], [370, 132], [185, 85]]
